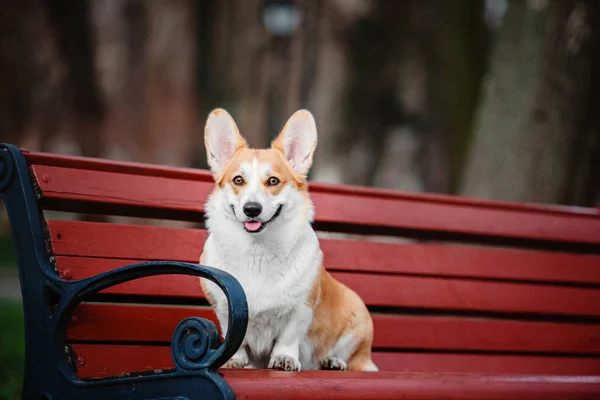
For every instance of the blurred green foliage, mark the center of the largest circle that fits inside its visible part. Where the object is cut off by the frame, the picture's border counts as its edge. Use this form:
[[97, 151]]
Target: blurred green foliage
[[12, 349], [7, 253]]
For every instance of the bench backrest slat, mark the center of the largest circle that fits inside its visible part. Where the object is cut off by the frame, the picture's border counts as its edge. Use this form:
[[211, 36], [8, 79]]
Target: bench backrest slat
[[353, 210], [89, 239], [155, 324], [414, 293]]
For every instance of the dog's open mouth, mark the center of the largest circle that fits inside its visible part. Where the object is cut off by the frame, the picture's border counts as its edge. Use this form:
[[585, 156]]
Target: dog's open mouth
[[255, 226]]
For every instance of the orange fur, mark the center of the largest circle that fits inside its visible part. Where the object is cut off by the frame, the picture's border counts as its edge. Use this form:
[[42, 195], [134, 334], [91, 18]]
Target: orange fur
[[338, 311], [209, 298], [281, 169]]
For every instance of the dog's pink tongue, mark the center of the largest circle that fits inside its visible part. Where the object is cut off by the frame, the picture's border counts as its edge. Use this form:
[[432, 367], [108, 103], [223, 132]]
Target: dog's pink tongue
[[252, 226]]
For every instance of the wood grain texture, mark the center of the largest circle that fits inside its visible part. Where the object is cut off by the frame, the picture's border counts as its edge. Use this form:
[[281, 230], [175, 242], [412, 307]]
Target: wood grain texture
[[165, 287], [122, 189], [485, 363], [455, 218], [116, 322], [254, 385], [413, 292], [134, 323], [88, 239], [102, 360], [347, 208], [134, 168]]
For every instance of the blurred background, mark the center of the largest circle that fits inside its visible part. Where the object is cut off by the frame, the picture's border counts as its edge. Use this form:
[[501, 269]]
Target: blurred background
[[488, 98], [496, 99]]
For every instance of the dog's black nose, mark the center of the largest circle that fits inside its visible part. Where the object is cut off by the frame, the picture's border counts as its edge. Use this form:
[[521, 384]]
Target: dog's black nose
[[252, 209]]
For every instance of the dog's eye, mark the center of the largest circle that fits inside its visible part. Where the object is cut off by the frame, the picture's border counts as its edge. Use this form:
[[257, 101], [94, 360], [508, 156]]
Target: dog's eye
[[273, 181], [238, 180]]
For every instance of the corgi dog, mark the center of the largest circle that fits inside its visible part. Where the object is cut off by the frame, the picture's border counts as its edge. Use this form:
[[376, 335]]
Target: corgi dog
[[259, 223]]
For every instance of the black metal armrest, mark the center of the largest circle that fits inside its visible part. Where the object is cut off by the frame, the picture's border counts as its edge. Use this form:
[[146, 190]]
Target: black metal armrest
[[195, 346], [194, 339]]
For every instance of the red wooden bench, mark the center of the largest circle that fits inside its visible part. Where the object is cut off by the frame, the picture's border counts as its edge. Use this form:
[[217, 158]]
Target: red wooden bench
[[470, 299]]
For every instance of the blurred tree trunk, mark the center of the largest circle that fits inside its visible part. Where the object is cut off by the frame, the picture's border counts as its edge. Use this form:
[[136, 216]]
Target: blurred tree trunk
[[326, 91], [174, 128], [411, 98], [372, 106], [147, 62], [459, 64], [537, 135], [50, 92], [75, 41], [32, 75], [237, 70]]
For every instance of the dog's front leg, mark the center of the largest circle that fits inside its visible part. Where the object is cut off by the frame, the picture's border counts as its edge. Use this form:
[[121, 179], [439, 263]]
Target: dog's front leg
[[240, 358], [285, 354]]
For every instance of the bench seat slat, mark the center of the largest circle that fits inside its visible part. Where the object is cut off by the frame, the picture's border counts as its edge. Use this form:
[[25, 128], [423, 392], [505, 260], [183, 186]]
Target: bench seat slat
[[89, 239], [349, 210], [103, 360], [387, 291], [308, 385], [117, 322]]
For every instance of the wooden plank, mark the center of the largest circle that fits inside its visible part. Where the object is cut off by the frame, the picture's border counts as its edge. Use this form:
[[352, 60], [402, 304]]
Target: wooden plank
[[484, 363], [179, 286], [117, 189], [135, 168], [122, 167], [103, 360], [117, 322], [460, 261], [89, 239], [458, 294], [352, 210], [414, 215], [471, 334], [163, 286], [93, 239], [255, 385], [386, 290]]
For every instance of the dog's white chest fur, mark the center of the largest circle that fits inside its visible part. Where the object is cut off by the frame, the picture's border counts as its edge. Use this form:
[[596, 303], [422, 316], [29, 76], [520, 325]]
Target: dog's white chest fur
[[277, 277]]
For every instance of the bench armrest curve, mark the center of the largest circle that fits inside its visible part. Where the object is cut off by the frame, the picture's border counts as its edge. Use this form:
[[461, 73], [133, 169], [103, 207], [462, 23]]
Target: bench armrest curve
[[195, 342]]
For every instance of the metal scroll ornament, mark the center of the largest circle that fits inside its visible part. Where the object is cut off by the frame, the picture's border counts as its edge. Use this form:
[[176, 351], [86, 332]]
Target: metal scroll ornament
[[193, 342]]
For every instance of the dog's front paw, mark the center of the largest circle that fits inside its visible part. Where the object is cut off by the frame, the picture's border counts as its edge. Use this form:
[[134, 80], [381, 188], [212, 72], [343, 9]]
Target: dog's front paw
[[334, 363], [235, 363], [285, 363]]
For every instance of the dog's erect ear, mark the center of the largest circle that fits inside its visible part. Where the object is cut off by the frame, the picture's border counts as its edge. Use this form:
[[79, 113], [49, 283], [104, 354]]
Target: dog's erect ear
[[298, 141], [222, 139]]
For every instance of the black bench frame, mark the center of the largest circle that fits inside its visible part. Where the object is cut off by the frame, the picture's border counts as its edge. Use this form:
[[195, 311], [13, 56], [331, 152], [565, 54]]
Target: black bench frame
[[48, 301]]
